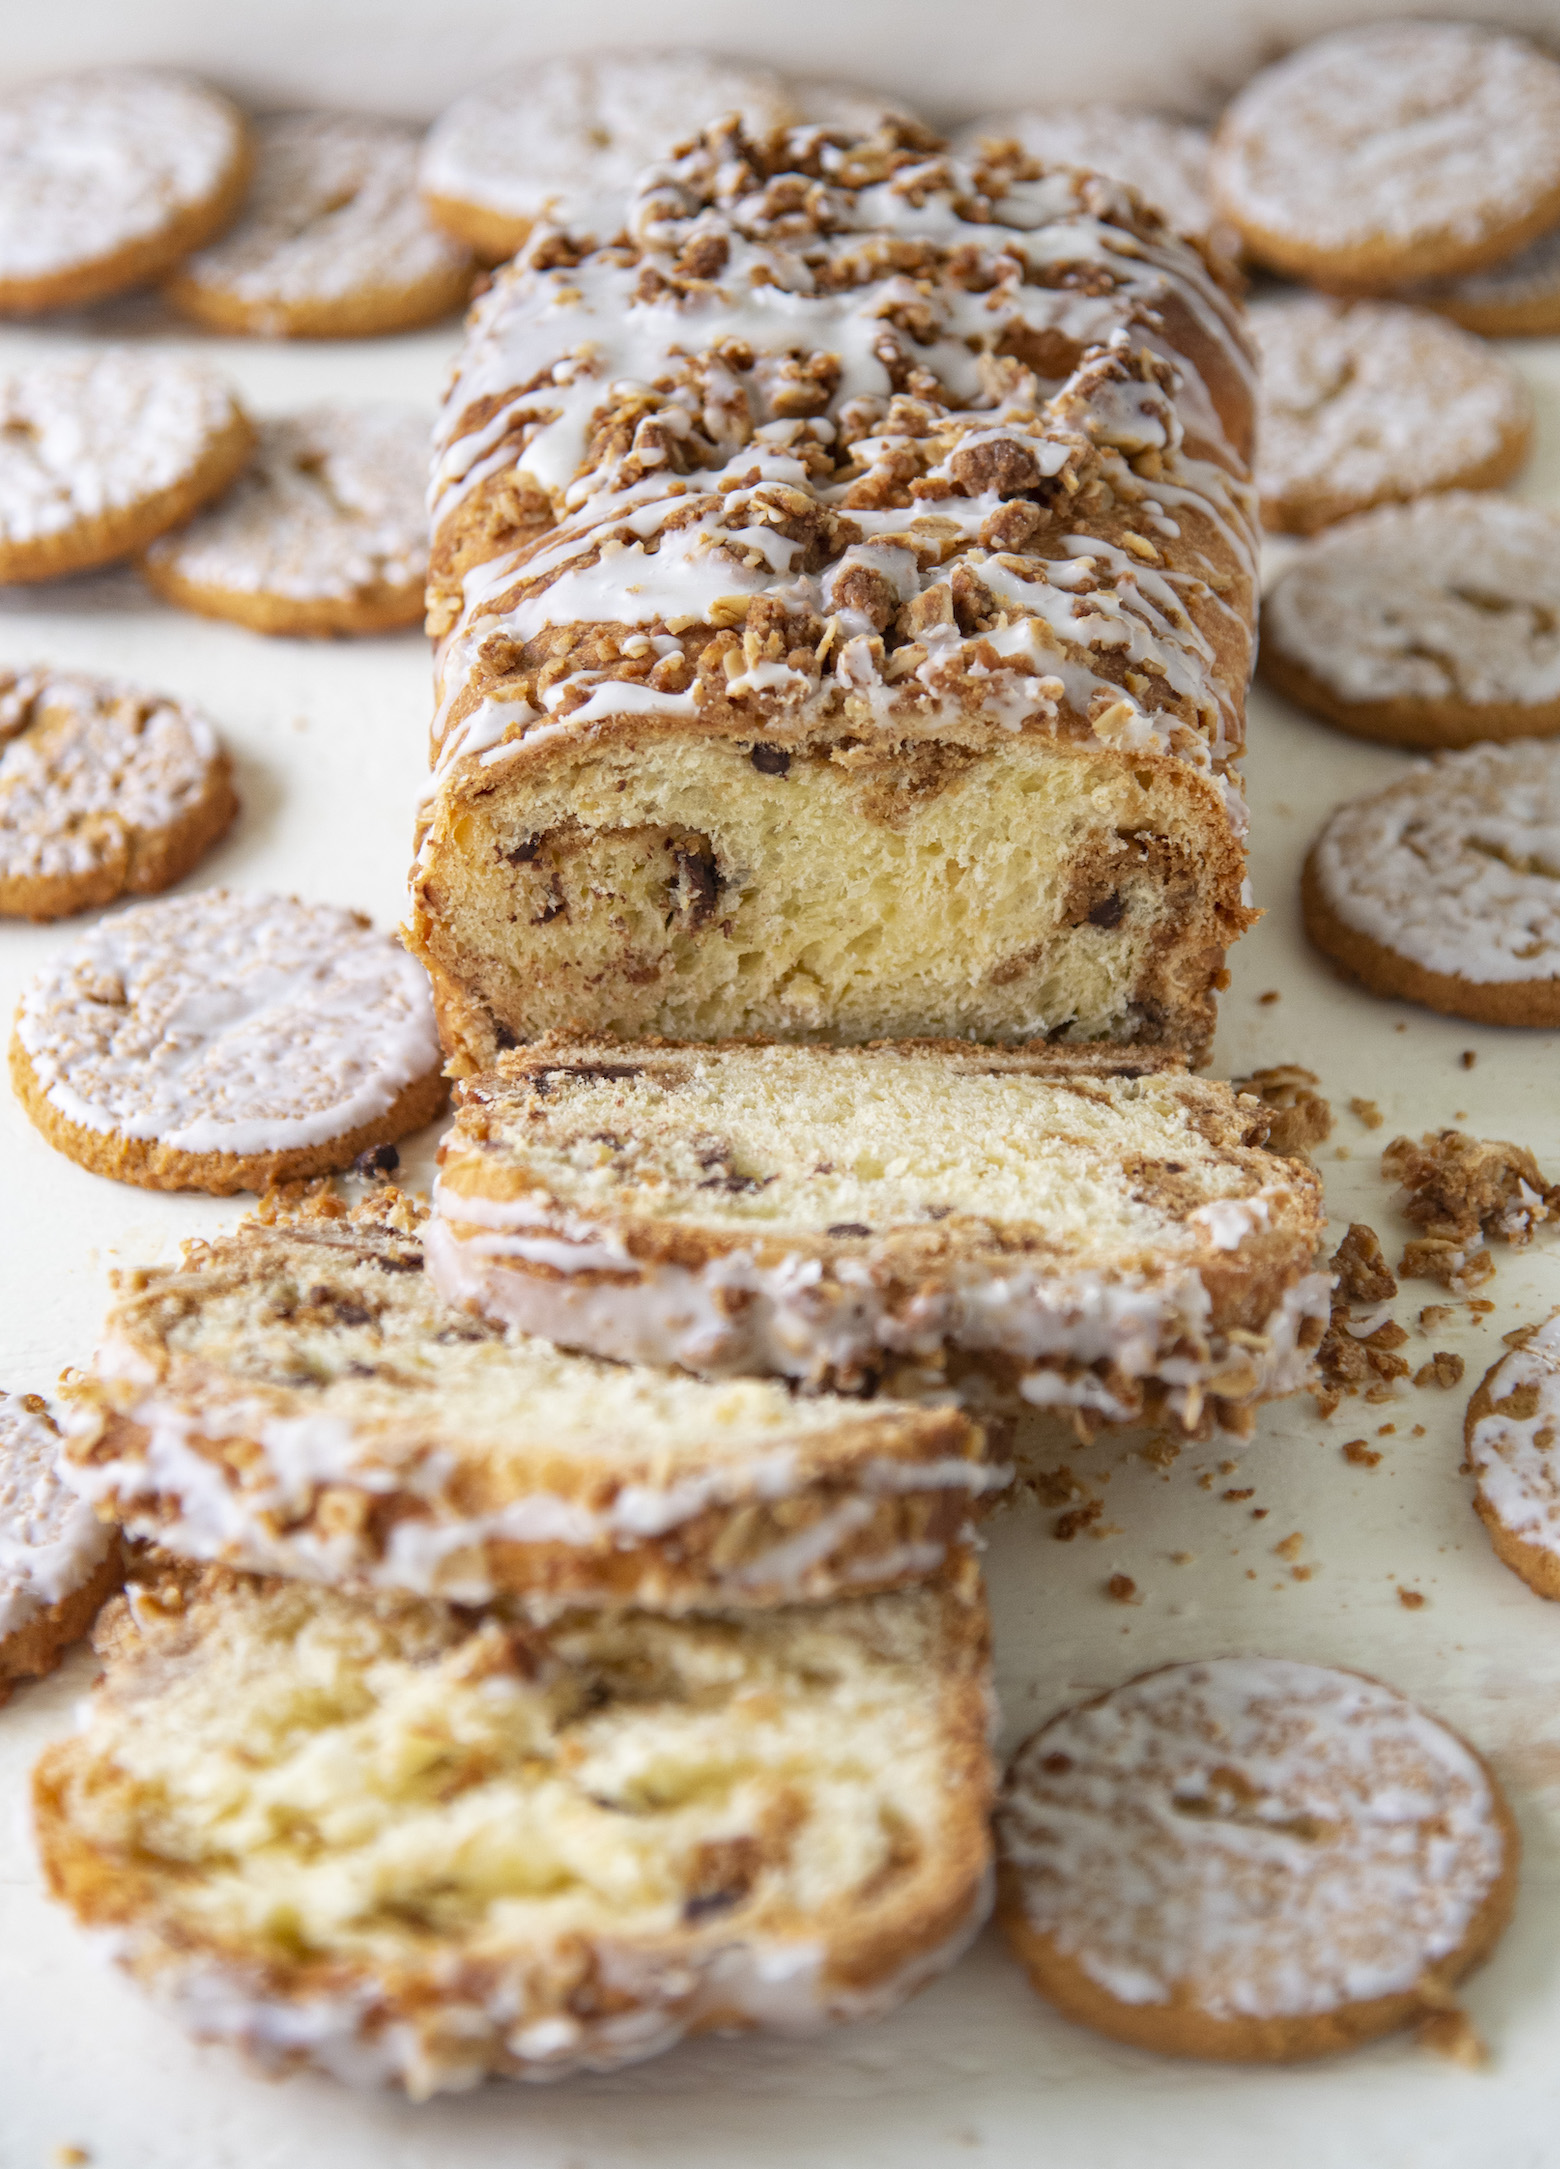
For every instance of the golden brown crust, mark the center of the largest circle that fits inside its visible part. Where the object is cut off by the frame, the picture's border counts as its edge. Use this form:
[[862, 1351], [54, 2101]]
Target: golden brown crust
[[152, 860], [1380, 265], [1524, 1002], [368, 312], [1180, 2028], [142, 261], [156, 1166], [1405, 722], [381, 609], [1536, 1564], [122, 531], [36, 1648]]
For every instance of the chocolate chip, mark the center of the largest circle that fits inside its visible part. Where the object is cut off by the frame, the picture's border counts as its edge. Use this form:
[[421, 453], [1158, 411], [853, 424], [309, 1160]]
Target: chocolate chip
[[700, 879], [523, 853], [770, 760], [378, 1160], [847, 1227], [1108, 911]]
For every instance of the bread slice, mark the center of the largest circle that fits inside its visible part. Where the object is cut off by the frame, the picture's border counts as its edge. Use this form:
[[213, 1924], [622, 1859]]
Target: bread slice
[[296, 1398], [845, 621], [1084, 1229], [406, 1845]]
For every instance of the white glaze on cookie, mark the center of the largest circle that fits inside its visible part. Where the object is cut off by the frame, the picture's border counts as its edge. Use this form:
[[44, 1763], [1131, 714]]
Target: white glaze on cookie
[[1455, 598], [1251, 1837], [98, 432], [51, 1542], [1370, 400], [568, 138], [331, 505], [1514, 1451], [228, 1023], [92, 163], [82, 760], [333, 211], [1457, 865], [1390, 131]]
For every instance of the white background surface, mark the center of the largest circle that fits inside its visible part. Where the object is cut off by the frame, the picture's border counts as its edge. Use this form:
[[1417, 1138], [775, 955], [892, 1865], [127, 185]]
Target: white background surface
[[328, 741]]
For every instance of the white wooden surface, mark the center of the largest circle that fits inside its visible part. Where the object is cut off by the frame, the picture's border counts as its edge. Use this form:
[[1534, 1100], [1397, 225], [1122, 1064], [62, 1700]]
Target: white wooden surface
[[329, 743]]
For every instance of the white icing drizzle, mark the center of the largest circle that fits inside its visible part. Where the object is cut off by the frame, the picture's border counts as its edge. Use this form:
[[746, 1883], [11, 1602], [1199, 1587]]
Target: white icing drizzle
[[333, 211], [1513, 1450], [331, 505], [734, 1316], [224, 1022], [1365, 400], [83, 761], [1251, 1837], [1395, 132], [97, 432], [92, 163], [774, 1984], [51, 1542], [1457, 865], [720, 496], [1455, 598], [566, 139]]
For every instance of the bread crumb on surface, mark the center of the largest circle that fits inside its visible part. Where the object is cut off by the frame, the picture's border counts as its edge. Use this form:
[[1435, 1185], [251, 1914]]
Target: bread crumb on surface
[[1249, 1493], [71, 2157], [1076, 1520], [1412, 1600], [1451, 2034], [1367, 1112], [1468, 1057], [1122, 1589], [1435, 1314], [1291, 1546], [1443, 1369], [1362, 1456], [1298, 1116], [1272, 995], [1364, 1275]]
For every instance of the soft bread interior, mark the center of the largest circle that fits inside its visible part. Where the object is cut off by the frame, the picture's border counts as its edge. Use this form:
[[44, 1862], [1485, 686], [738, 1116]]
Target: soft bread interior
[[293, 1775], [1101, 1168], [682, 887]]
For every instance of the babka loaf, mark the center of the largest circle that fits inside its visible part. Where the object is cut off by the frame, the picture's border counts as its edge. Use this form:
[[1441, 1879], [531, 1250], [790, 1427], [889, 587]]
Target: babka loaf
[[410, 1846], [1085, 1229], [295, 1398], [844, 583]]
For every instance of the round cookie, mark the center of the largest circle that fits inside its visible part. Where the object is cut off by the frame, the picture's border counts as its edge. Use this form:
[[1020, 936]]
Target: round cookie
[[567, 139], [1511, 1434], [1429, 624], [225, 1042], [1393, 152], [107, 178], [1517, 299], [1444, 889], [1165, 160], [104, 791], [1251, 1860], [58, 1563], [333, 242], [325, 532], [102, 452], [1367, 403]]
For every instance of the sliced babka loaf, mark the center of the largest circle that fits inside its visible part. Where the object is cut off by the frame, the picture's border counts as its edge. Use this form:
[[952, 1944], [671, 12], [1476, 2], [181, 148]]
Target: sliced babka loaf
[[407, 1845], [295, 1397], [1087, 1229], [845, 586]]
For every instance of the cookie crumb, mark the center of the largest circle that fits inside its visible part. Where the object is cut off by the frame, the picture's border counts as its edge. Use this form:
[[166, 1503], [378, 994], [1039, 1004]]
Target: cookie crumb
[[1435, 1314], [1247, 1494], [1481, 1307], [1122, 1589], [1444, 1369], [1183, 1558], [1418, 1431], [1457, 1188], [1267, 1000], [1451, 2034], [1468, 1057], [1298, 1116], [1260, 1513], [1076, 1520], [1363, 1456], [1367, 1112], [1453, 1265], [71, 2157], [1290, 1547], [1412, 1600], [1360, 1263], [1385, 1430]]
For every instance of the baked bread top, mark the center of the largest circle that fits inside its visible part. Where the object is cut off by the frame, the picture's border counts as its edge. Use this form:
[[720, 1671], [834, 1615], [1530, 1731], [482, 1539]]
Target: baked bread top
[[296, 1396], [1098, 1205], [428, 1846], [846, 432]]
